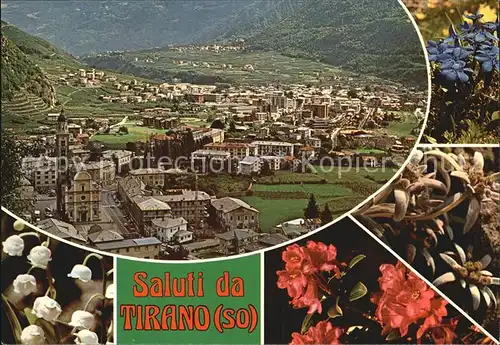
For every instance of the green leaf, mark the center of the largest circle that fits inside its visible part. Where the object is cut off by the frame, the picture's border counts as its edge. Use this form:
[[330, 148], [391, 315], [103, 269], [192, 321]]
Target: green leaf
[[306, 324], [30, 316], [358, 291], [495, 115], [353, 328], [356, 259], [431, 140], [49, 331], [13, 320], [335, 311], [393, 335]]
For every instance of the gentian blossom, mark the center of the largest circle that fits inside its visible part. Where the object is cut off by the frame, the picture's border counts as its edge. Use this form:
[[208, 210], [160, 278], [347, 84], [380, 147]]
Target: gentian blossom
[[322, 333], [488, 57], [439, 51]]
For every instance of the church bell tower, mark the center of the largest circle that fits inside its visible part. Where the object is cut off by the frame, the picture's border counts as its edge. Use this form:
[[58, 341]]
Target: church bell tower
[[62, 153]]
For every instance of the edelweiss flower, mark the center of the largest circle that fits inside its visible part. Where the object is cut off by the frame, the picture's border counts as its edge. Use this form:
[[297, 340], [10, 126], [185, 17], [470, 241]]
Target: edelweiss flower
[[13, 245], [81, 272], [24, 284], [33, 335]]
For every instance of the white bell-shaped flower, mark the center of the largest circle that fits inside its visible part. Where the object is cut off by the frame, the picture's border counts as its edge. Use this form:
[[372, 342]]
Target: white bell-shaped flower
[[46, 308], [40, 256], [86, 337], [33, 335], [82, 319], [24, 284], [81, 272], [19, 225], [13, 245], [110, 291]]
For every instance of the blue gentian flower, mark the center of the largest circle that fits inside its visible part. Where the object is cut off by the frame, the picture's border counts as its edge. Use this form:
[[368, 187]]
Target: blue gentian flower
[[474, 17], [488, 57], [439, 51], [455, 70]]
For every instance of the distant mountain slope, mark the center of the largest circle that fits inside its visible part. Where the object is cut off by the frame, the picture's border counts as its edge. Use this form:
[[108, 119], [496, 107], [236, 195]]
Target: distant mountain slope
[[20, 74], [366, 36], [373, 37]]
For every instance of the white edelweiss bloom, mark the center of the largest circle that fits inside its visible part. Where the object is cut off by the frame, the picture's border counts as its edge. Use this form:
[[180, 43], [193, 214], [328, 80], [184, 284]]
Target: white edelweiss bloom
[[110, 291], [82, 318], [24, 284], [13, 245], [46, 308], [86, 337], [81, 272], [40, 256], [33, 335]]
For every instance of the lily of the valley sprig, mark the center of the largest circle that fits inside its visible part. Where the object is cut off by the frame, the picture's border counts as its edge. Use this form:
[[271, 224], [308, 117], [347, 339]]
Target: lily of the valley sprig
[[471, 275], [44, 314]]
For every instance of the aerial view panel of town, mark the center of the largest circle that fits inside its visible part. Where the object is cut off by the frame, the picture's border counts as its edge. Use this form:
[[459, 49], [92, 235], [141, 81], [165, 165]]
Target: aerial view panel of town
[[134, 131]]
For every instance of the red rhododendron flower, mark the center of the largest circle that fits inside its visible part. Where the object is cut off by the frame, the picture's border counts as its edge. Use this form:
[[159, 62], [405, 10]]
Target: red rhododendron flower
[[434, 316], [310, 298], [393, 277], [406, 299], [302, 275], [292, 280], [440, 334], [323, 333], [293, 256], [320, 257]]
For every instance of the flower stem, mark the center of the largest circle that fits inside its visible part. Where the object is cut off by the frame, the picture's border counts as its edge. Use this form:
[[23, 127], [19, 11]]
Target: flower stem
[[94, 296], [31, 233]]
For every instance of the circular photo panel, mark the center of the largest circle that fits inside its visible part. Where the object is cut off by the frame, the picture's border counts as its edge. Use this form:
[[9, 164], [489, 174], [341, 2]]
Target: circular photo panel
[[174, 138]]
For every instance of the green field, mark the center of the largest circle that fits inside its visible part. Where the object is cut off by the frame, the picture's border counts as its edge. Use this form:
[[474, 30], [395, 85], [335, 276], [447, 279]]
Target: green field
[[268, 66], [403, 127], [286, 199], [135, 133]]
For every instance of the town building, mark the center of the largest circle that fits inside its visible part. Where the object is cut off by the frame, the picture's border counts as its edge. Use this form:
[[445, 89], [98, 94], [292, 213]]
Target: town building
[[188, 204], [232, 213], [153, 177], [273, 148], [171, 230], [210, 160], [235, 241], [236, 150], [40, 171], [145, 208], [62, 230], [249, 165], [145, 247], [121, 158], [82, 199]]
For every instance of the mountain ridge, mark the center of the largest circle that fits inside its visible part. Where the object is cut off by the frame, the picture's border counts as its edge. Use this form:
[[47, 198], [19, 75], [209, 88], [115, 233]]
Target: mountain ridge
[[375, 38]]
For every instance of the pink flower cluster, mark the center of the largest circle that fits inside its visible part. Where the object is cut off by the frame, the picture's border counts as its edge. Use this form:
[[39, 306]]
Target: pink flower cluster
[[302, 274], [405, 299], [323, 333]]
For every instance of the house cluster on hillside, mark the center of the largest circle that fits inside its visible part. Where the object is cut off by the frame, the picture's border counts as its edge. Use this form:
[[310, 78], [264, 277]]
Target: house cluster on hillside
[[103, 199]]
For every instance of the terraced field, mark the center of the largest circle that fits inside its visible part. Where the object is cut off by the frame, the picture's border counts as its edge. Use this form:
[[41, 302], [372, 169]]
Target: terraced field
[[24, 110]]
